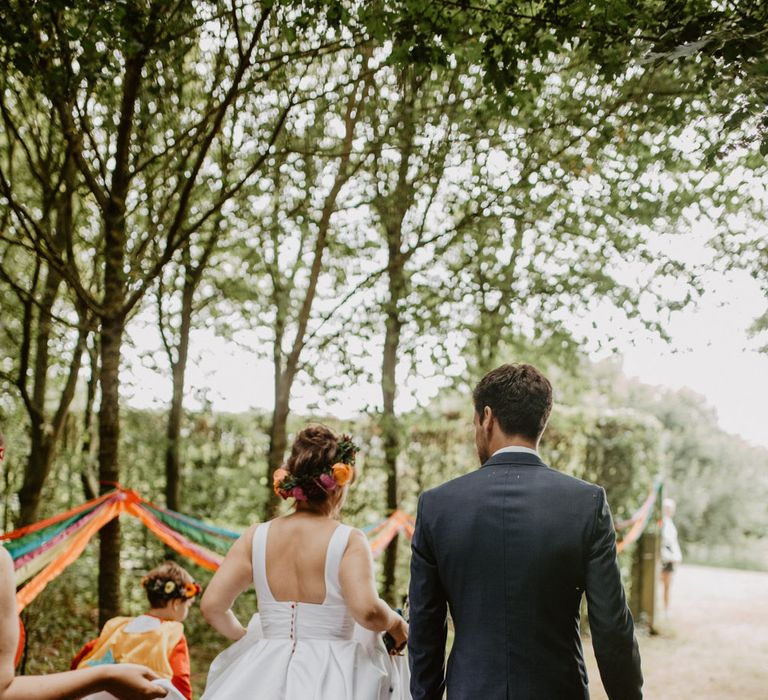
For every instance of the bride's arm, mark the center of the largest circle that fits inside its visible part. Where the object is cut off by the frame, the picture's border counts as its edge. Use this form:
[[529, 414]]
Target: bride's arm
[[233, 577], [358, 586]]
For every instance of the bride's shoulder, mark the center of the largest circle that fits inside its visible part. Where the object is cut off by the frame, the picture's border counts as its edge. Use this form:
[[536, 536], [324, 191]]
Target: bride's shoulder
[[357, 559], [248, 532], [246, 539], [357, 539]]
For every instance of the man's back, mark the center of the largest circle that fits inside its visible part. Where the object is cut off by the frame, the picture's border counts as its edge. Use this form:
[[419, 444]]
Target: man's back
[[511, 547]]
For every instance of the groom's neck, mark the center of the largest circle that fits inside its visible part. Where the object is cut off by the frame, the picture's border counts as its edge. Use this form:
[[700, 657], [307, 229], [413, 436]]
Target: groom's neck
[[501, 440]]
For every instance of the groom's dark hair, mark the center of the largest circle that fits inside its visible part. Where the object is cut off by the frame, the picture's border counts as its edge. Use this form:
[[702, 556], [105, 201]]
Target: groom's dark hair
[[520, 397]]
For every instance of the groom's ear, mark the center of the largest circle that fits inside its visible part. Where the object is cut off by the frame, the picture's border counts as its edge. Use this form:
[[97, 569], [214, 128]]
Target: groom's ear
[[487, 418]]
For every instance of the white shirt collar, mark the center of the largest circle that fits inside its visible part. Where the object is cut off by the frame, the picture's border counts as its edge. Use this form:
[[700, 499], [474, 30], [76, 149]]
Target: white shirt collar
[[515, 448]]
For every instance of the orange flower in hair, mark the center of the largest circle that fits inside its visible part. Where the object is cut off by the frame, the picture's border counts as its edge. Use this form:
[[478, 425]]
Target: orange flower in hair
[[342, 473], [191, 589], [277, 478]]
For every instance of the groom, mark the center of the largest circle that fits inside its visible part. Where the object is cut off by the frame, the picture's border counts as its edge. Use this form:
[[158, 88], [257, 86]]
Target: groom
[[511, 548]]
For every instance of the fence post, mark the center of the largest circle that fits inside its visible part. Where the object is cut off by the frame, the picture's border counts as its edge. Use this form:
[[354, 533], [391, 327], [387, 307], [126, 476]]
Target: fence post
[[645, 568]]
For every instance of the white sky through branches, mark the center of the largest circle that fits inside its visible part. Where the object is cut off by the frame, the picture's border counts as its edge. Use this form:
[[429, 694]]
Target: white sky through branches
[[710, 352]]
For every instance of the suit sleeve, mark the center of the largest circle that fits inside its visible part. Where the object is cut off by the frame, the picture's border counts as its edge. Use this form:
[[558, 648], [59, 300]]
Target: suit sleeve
[[428, 621], [610, 622], [180, 665]]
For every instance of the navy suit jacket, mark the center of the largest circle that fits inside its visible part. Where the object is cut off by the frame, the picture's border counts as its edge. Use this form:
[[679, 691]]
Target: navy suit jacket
[[510, 549]]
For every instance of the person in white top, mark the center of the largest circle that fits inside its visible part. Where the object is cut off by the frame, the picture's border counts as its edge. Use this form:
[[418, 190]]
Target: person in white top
[[316, 589], [671, 555]]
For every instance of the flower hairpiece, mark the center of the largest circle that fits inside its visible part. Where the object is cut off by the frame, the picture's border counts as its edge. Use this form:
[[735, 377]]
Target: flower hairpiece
[[328, 478], [168, 588], [191, 589]]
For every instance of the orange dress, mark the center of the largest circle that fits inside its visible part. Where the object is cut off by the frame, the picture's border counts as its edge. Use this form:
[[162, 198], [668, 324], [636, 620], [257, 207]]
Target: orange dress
[[157, 644]]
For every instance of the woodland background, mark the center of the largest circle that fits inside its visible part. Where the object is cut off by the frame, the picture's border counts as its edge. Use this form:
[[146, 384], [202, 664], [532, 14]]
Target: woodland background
[[378, 191]]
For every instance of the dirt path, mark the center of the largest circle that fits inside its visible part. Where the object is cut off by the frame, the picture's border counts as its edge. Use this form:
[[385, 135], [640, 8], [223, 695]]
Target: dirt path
[[713, 646]]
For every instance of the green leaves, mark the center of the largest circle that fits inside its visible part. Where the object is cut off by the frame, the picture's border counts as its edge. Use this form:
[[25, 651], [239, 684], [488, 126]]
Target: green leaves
[[473, 176]]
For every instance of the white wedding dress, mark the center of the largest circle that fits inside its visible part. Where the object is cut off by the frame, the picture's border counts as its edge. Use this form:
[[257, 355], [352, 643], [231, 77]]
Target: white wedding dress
[[306, 651]]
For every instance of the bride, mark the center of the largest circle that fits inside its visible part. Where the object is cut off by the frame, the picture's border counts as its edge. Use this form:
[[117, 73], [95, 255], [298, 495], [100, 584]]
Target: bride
[[314, 580]]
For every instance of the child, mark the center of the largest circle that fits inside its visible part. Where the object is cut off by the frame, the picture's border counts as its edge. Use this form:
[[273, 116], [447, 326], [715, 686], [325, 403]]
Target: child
[[155, 639]]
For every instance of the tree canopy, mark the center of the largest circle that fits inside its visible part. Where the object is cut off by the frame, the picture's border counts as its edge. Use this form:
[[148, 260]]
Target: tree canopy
[[366, 192]]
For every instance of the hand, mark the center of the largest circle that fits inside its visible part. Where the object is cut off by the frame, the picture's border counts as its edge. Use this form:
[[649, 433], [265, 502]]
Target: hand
[[133, 682], [399, 632]]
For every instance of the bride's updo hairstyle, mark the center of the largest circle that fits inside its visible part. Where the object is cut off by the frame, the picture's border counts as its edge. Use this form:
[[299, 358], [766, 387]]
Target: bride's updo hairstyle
[[320, 462]]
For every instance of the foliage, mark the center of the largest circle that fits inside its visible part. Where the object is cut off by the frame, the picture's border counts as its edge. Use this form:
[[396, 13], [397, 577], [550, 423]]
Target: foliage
[[500, 35], [614, 431], [727, 45], [718, 480], [717, 49], [366, 192], [744, 244], [616, 448]]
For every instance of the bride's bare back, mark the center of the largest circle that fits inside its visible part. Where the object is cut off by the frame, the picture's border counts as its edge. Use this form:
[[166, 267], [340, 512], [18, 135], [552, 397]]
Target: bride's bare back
[[296, 550]]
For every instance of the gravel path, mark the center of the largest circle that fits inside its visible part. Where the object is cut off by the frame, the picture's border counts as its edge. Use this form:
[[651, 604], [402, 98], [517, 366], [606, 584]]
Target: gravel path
[[713, 645]]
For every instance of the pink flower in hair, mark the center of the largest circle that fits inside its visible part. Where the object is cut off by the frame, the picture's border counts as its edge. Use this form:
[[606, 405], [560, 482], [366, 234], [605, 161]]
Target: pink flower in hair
[[327, 482], [298, 493]]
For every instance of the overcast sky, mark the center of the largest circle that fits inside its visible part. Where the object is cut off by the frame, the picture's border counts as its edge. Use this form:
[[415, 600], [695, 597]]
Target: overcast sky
[[712, 354]]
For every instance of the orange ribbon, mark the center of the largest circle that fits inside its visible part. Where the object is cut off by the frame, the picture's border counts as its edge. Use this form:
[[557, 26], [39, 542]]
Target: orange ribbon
[[396, 523], [213, 560], [34, 527], [76, 546]]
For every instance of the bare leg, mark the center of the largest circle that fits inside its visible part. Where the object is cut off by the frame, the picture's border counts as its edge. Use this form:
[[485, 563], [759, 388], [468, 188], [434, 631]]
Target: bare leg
[[666, 582]]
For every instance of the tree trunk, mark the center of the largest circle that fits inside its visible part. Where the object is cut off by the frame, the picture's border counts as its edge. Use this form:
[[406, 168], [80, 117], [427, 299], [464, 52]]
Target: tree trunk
[[178, 369], [40, 457], [8, 485], [87, 475], [112, 328], [278, 428], [391, 436], [392, 211], [173, 434], [109, 470], [389, 422], [38, 467], [111, 338], [278, 439]]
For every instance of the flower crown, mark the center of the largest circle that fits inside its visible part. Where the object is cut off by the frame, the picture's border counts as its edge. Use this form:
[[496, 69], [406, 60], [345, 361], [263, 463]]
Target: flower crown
[[328, 478], [168, 589]]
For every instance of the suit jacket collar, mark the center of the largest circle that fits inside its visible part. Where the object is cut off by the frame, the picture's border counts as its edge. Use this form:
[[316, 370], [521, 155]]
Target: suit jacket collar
[[514, 459]]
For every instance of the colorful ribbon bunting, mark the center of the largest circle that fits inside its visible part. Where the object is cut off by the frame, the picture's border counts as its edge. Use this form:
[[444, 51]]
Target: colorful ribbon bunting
[[390, 528], [43, 550]]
